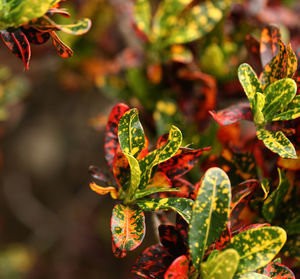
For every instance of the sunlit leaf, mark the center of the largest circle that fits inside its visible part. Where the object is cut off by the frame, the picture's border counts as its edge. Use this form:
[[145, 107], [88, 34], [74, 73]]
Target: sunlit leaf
[[181, 205], [292, 110], [142, 15], [104, 190], [127, 227], [249, 82], [210, 213], [274, 200], [252, 275], [179, 269], [259, 117], [278, 143], [257, 247], [160, 155], [277, 96], [222, 266]]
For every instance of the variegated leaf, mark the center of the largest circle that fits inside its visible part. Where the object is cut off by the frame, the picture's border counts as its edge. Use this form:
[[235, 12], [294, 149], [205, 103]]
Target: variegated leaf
[[275, 199], [259, 100], [278, 143], [251, 275], [179, 269], [249, 82], [181, 205], [290, 66], [127, 227], [121, 171], [277, 96], [222, 266], [142, 15], [276, 270], [131, 134], [233, 114], [292, 111], [63, 50], [111, 141], [210, 213], [104, 190], [160, 155], [257, 247]]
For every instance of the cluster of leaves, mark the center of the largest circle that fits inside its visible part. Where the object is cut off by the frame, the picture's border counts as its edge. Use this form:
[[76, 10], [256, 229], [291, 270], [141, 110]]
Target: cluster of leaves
[[25, 22], [139, 174]]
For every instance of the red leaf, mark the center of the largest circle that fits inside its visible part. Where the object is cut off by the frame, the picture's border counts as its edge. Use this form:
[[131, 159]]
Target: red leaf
[[179, 269], [153, 262], [181, 163], [34, 36], [276, 270], [111, 142], [118, 253], [18, 44], [233, 114], [63, 50], [121, 170]]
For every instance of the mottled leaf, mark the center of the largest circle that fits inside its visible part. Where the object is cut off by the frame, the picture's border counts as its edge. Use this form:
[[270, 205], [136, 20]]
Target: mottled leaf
[[142, 15], [34, 36], [111, 141], [276, 270], [179, 269], [223, 266], [63, 50], [277, 96], [127, 227], [121, 171], [292, 111], [278, 143], [181, 205], [252, 275], [153, 262], [233, 114], [160, 155], [257, 247], [210, 213], [259, 100], [131, 134], [274, 200], [290, 66], [18, 44], [249, 82], [104, 190]]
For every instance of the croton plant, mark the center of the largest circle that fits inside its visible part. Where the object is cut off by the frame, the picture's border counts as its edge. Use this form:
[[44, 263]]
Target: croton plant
[[23, 22], [206, 241]]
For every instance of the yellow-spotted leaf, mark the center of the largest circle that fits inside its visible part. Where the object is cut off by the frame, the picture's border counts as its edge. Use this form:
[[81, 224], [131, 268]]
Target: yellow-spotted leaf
[[142, 15], [181, 205], [292, 111], [104, 190], [159, 155], [290, 66], [210, 213], [277, 97], [259, 100], [252, 275], [127, 227], [278, 143], [223, 266], [249, 82], [257, 247], [275, 199], [131, 134], [135, 176]]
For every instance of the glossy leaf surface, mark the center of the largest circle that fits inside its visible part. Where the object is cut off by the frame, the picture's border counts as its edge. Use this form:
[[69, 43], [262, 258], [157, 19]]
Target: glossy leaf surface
[[292, 111], [181, 205], [104, 190], [257, 247], [179, 269], [222, 266], [127, 227], [276, 270], [252, 275], [210, 213], [278, 143]]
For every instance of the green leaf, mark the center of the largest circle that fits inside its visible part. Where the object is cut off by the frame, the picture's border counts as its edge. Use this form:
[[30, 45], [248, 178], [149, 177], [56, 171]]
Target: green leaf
[[223, 266], [259, 100], [275, 199], [290, 66], [252, 275], [210, 213], [127, 227], [249, 82], [135, 176], [131, 133], [181, 205], [160, 155], [292, 111], [150, 191], [142, 15], [278, 143], [14, 13], [257, 247], [278, 95]]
